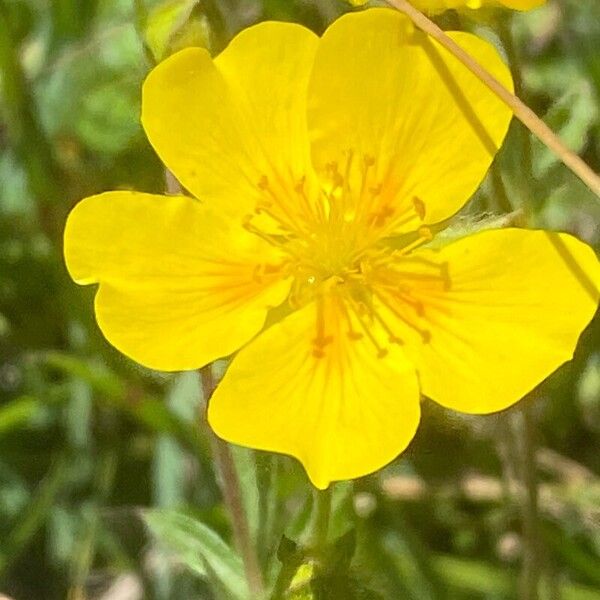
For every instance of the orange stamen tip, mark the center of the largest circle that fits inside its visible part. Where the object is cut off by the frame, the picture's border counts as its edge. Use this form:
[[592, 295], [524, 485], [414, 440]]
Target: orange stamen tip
[[419, 207], [269, 269], [425, 233], [257, 273], [299, 187], [321, 342], [263, 182]]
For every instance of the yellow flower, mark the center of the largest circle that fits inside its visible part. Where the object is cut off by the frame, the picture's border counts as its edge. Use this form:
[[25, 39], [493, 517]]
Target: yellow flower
[[319, 166], [436, 6]]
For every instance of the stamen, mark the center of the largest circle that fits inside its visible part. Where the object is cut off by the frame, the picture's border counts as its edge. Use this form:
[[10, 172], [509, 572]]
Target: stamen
[[425, 236], [265, 270], [381, 351], [368, 160], [424, 333], [376, 189], [281, 242], [352, 333], [361, 201], [419, 207], [385, 213], [321, 340], [441, 270], [392, 337], [287, 219]]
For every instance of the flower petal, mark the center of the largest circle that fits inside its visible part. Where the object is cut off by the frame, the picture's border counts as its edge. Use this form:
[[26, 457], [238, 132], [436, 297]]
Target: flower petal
[[511, 313], [386, 94], [267, 68], [343, 414], [222, 126], [179, 285]]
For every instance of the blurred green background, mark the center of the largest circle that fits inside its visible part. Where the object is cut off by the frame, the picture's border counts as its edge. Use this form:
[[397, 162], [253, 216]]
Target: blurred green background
[[91, 445]]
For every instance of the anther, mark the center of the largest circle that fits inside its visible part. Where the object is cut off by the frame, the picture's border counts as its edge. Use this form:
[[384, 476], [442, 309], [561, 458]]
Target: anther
[[263, 182], [317, 353], [416, 304], [359, 309], [263, 207], [381, 216], [257, 273], [425, 233], [299, 187], [338, 180], [331, 167], [424, 333], [445, 274], [321, 342], [419, 206]]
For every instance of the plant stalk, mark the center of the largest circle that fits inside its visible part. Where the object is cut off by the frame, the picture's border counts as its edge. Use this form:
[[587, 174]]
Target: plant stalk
[[530, 576], [232, 496], [319, 524]]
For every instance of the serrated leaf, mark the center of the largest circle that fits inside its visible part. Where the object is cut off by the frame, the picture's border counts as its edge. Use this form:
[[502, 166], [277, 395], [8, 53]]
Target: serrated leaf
[[200, 549]]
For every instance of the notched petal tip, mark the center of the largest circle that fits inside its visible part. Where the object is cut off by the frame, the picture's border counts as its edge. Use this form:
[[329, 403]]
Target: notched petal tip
[[177, 285], [77, 246], [344, 412]]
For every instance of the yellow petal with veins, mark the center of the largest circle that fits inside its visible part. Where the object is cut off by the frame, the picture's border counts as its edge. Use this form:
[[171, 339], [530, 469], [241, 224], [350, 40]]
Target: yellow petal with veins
[[223, 126], [180, 286], [311, 391], [498, 312], [387, 98]]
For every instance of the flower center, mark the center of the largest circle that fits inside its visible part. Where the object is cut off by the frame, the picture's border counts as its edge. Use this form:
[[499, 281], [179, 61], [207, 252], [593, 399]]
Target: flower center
[[333, 235]]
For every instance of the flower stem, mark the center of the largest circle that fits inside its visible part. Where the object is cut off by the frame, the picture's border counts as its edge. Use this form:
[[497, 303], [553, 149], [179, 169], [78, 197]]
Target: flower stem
[[232, 496], [519, 108], [319, 524], [532, 549]]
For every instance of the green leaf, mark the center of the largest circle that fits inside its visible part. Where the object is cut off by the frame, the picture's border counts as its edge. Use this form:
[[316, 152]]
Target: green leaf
[[17, 412], [170, 479], [199, 549], [572, 117], [174, 25]]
